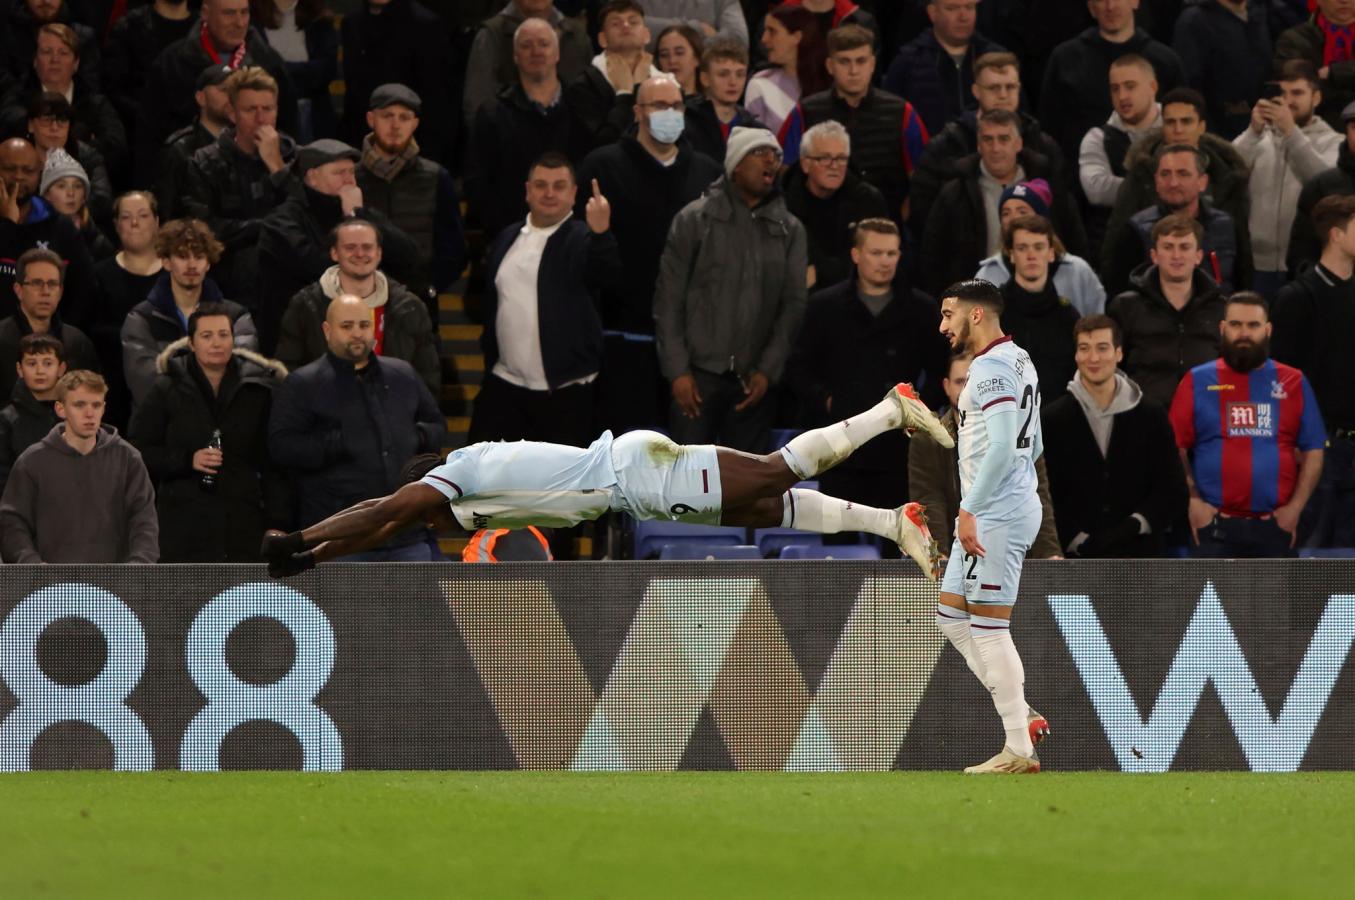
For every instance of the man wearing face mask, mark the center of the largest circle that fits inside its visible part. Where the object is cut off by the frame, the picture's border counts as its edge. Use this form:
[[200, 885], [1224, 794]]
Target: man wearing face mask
[[730, 298], [648, 177], [1251, 441]]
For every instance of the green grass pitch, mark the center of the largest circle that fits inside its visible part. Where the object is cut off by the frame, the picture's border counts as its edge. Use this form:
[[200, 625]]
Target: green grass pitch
[[702, 835]]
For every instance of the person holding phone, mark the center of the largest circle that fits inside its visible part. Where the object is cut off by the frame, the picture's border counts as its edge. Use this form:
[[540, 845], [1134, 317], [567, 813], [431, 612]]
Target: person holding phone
[[1284, 145]]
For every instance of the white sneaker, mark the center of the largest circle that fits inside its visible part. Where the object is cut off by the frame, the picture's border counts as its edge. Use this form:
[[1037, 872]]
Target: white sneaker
[[917, 417], [1007, 763], [915, 538], [1038, 725]]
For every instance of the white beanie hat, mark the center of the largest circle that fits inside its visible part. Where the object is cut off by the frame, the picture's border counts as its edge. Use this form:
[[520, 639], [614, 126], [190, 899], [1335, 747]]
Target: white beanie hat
[[743, 141], [59, 165]]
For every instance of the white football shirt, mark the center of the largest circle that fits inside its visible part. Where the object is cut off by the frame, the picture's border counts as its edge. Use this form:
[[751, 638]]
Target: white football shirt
[[1001, 377]]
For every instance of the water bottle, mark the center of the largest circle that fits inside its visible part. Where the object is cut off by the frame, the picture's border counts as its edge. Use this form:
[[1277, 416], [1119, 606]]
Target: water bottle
[[208, 482]]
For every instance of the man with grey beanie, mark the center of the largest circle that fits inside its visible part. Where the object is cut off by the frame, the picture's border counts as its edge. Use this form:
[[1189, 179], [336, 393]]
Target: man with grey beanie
[[730, 298]]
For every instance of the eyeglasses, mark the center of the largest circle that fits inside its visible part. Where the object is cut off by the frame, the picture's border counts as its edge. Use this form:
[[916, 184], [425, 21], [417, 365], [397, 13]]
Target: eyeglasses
[[41, 285], [830, 160]]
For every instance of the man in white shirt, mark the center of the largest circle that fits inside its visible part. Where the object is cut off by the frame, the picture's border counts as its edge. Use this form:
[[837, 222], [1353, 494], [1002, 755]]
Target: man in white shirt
[[543, 337]]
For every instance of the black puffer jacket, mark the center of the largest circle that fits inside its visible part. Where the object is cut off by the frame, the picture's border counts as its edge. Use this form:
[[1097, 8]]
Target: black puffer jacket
[[176, 419], [170, 176], [133, 43], [1161, 343]]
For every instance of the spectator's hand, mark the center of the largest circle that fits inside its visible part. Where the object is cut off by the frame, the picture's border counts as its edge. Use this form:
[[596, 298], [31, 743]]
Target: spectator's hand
[[1260, 116], [812, 277], [1324, 73], [1281, 116], [753, 391], [598, 212], [9, 201], [207, 461], [687, 396], [1055, 556], [350, 198], [1287, 517], [270, 148], [707, 29], [968, 533], [1201, 514]]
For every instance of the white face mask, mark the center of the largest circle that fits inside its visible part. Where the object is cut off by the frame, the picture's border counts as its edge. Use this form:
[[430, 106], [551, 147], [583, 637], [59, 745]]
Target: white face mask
[[666, 125]]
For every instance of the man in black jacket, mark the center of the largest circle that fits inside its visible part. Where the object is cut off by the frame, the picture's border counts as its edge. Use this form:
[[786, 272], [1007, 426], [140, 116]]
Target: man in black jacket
[[28, 222], [29, 416], [648, 181], [543, 338], [1313, 320], [38, 287], [225, 38], [234, 182], [1170, 315], [964, 226], [404, 329], [1114, 473], [399, 42], [294, 239], [170, 173], [1305, 245], [1038, 319], [19, 38], [414, 192], [133, 43], [716, 111], [829, 198], [861, 335], [1076, 91], [347, 423], [997, 85], [602, 98], [202, 431]]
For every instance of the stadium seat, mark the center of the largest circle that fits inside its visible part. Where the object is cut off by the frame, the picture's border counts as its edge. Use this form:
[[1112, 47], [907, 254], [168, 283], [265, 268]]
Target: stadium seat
[[652, 535], [834, 551], [709, 551], [771, 541], [1327, 553], [780, 437]]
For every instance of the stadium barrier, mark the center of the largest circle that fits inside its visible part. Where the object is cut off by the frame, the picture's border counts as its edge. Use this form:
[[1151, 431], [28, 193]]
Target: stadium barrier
[[1141, 666]]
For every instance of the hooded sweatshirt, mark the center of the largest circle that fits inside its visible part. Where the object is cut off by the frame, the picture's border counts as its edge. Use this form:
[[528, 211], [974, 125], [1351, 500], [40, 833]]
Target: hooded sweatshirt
[[1102, 421], [62, 506]]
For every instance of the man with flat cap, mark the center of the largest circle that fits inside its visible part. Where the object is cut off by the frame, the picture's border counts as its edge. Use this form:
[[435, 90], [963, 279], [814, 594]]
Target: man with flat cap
[[414, 192], [294, 240]]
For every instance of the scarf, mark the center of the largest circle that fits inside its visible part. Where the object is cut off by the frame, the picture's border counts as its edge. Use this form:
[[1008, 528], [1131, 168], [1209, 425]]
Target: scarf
[[1338, 41], [383, 167], [236, 58]]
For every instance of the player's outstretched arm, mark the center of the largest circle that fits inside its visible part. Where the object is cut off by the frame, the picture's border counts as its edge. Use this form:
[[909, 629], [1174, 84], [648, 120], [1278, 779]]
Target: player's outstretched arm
[[365, 524]]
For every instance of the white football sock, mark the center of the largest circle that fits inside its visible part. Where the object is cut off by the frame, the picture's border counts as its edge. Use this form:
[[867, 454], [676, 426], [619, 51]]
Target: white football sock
[[1006, 679], [819, 450], [954, 624], [812, 511]]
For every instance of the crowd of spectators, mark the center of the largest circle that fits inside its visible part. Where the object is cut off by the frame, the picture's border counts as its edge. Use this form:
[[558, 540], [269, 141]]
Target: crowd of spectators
[[225, 225]]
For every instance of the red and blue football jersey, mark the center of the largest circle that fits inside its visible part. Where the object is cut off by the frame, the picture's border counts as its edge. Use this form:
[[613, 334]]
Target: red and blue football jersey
[[1244, 428]]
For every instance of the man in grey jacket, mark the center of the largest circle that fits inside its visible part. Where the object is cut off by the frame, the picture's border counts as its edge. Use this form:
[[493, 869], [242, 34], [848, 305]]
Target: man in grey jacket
[[730, 298], [82, 494], [1284, 146]]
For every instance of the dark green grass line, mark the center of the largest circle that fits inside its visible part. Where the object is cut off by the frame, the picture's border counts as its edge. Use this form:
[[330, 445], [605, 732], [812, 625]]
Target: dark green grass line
[[510, 835]]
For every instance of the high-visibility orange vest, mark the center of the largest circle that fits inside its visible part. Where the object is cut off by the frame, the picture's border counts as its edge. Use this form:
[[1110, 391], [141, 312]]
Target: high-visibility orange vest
[[511, 546]]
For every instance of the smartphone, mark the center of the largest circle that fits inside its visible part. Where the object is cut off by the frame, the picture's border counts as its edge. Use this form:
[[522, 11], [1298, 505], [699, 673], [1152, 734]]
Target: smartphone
[[1271, 90]]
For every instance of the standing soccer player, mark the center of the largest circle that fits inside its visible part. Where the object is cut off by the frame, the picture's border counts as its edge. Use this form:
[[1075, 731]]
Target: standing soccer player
[[999, 427]]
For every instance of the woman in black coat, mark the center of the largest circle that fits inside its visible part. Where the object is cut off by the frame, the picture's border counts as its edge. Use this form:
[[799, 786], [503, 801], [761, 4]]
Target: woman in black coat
[[213, 504]]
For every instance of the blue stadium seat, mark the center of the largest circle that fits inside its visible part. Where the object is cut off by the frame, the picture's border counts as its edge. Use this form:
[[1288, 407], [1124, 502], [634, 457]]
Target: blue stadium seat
[[1327, 553], [652, 535], [834, 551], [709, 551], [780, 437], [771, 541]]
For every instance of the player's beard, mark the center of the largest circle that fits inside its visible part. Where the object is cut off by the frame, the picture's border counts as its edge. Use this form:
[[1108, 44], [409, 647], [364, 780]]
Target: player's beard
[[1245, 356], [962, 336]]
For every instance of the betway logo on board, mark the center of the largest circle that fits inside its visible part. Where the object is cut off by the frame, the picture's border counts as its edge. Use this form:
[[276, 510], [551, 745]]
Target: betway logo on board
[[1208, 654]]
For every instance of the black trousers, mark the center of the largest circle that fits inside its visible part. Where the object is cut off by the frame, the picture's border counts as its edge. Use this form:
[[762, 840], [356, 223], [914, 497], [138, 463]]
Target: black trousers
[[506, 412], [748, 430]]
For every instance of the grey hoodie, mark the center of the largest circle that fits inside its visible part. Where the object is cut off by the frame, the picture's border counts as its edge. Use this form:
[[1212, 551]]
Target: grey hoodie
[[63, 507], [1127, 396]]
